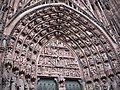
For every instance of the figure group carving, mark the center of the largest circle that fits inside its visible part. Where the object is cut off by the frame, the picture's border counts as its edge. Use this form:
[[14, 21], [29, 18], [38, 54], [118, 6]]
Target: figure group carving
[[14, 79], [105, 84], [35, 27]]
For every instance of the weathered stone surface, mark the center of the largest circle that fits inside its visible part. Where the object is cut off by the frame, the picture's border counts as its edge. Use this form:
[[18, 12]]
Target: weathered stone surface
[[61, 39]]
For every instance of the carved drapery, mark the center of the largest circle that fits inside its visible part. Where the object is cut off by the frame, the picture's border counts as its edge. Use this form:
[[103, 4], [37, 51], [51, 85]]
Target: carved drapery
[[95, 54]]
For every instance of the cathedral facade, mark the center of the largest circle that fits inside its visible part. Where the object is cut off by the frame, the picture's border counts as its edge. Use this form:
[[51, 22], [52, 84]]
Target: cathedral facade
[[60, 45]]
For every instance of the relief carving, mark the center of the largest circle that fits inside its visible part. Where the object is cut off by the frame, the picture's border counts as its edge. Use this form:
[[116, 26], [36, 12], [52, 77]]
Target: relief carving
[[51, 61], [7, 75]]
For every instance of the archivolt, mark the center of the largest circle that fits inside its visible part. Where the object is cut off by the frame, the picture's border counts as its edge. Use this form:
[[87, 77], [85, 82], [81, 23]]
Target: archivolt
[[36, 26]]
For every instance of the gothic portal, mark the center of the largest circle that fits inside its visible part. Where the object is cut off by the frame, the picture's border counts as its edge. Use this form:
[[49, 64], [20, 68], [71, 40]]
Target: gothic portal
[[59, 45]]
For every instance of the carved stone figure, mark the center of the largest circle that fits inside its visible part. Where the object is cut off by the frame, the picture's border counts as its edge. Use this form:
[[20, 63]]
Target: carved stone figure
[[7, 77], [105, 85], [11, 12], [113, 83], [107, 66], [14, 80], [61, 81], [1, 25], [93, 71], [86, 72], [90, 87], [118, 81], [21, 81], [32, 84], [21, 3], [97, 85], [106, 4], [27, 82]]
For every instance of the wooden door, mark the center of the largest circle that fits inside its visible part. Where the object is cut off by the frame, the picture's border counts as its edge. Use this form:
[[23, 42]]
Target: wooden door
[[72, 85], [46, 84]]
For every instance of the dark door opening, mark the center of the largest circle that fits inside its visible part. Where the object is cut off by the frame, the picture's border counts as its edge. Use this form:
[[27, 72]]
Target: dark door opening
[[46, 84], [73, 85]]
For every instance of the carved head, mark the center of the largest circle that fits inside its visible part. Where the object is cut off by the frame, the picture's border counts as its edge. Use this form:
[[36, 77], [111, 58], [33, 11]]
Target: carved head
[[21, 74], [96, 82], [118, 75], [15, 70], [111, 77], [27, 77], [8, 66], [61, 81], [33, 80], [104, 80]]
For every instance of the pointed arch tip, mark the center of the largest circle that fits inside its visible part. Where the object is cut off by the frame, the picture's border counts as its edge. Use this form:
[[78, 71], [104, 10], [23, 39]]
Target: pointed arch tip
[[10, 27], [26, 11]]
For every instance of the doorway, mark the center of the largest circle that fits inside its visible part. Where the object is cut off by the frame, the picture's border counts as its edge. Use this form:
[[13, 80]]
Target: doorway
[[73, 85], [46, 84]]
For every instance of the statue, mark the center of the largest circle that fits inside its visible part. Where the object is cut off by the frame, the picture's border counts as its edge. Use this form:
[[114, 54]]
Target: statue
[[1, 25], [21, 81], [14, 79], [105, 85], [61, 81], [97, 85], [90, 87], [106, 4], [113, 83], [32, 84], [6, 79], [118, 81], [20, 3], [11, 12], [27, 82]]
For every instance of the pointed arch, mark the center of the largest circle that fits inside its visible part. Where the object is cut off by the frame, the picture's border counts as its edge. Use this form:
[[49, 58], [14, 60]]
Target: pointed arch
[[34, 27]]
